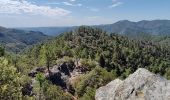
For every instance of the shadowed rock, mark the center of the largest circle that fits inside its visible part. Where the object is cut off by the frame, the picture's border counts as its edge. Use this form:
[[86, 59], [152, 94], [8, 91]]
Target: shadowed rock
[[64, 68], [27, 89]]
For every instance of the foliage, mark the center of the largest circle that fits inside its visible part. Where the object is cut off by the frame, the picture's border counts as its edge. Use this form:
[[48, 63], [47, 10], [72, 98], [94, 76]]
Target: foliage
[[10, 80], [40, 78], [88, 63], [96, 78], [52, 92], [168, 74], [89, 94]]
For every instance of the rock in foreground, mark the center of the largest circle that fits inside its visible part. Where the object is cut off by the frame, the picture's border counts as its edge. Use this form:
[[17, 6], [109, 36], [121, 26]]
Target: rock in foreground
[[141, 85]]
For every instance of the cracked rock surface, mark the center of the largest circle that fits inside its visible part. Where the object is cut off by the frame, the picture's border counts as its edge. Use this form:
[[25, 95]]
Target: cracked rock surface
[[141, 85]]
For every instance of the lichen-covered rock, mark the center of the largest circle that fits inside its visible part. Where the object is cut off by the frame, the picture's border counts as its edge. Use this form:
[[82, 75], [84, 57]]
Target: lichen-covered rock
[[141, 85], [104, 93]]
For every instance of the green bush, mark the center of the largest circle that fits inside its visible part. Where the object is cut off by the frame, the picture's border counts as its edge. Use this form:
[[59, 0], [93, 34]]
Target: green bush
[[167, 75], [52, 92], [89, 94], [88, 63], [96, 78], [10, 80]]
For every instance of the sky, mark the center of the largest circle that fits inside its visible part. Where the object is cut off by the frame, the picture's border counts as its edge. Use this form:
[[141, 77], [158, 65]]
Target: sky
[[45, 13]]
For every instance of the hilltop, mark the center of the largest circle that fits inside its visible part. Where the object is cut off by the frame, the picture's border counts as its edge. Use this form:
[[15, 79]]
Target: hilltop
[[125, 27]]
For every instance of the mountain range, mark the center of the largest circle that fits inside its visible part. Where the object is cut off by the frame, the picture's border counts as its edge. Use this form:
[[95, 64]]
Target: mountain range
[[124, 27], [15, 39], [19, 38], [51, 31]]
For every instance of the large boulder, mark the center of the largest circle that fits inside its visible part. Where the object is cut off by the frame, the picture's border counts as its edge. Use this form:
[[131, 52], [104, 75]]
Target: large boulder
[[141, 85]]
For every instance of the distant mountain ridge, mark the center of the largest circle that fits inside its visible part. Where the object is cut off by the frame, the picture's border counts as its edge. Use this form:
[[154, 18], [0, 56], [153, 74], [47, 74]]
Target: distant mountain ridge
[[124, 27], [15, 39], [155, 27], [51, 31]]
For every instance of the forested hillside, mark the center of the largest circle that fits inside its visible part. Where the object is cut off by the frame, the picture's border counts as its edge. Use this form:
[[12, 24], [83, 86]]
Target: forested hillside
[[15, 39], [87, 42], [82, 60]]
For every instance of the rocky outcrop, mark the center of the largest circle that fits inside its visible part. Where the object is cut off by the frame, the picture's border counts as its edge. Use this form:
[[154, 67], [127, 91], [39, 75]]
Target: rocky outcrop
[[141, 85], [60, 75]]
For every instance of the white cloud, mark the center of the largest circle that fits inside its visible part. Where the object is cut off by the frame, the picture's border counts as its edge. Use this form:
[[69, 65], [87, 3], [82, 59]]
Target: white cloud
[[70, 4], [25, 7], [115, 3]]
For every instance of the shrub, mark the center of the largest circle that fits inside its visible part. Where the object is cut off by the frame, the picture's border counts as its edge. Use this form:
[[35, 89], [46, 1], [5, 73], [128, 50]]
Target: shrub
[[96, 78], [10, 80], [53, 92]]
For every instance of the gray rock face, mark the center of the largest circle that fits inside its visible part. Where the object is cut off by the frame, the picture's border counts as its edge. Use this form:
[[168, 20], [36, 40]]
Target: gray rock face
[[141, 85]]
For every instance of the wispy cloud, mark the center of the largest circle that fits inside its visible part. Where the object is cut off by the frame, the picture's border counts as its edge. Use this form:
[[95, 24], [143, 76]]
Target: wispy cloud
[[115, 3], [23, 6], [70, 4], [67, 3]]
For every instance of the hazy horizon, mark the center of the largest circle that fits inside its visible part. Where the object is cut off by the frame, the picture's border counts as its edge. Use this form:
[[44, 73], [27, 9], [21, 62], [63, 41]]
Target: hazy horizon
[[81, 24]]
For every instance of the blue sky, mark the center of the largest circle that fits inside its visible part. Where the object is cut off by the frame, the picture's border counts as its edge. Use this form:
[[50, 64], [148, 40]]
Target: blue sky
[[37, 13]]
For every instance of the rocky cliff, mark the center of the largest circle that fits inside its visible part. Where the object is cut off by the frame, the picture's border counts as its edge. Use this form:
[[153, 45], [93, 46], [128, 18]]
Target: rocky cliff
[[141, 85]]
